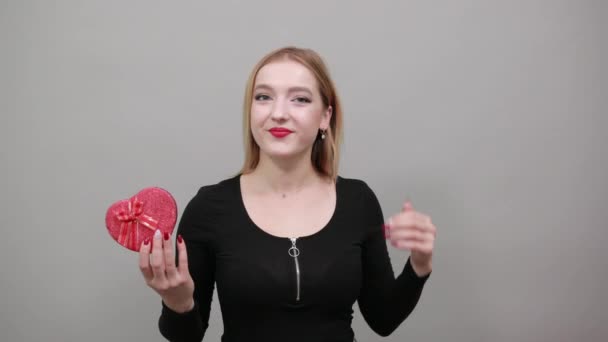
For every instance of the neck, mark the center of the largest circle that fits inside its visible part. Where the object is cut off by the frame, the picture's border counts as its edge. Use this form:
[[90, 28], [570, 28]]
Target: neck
[[285, 175]]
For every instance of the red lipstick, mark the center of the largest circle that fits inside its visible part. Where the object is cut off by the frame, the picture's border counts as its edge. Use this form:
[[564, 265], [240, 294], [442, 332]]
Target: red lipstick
[[279, 132]]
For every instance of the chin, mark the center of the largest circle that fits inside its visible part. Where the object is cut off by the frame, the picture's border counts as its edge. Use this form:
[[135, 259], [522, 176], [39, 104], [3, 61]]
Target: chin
[[281, 152]]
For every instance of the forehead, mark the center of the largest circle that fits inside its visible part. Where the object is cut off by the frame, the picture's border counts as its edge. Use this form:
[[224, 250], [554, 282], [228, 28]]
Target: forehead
[[285, 74]]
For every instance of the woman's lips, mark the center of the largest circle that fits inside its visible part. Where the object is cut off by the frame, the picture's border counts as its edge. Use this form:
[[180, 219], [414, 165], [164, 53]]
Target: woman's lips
[[280, 132]]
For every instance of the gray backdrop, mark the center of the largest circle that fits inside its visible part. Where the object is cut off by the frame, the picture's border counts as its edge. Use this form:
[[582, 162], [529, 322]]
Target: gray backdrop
[[489, 115]]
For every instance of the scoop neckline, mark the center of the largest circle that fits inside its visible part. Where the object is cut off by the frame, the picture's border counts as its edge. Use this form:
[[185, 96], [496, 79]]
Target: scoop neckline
[[257, 228]]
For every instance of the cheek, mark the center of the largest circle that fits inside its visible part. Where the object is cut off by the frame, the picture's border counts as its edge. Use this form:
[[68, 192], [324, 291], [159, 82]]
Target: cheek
[[257, 117], [255, 124], [310, 118]]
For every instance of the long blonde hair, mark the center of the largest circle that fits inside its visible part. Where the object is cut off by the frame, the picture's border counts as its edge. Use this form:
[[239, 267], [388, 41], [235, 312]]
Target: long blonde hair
[[325, 152]]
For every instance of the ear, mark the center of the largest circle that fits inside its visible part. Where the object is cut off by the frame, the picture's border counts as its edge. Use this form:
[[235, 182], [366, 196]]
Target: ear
[[326, 119]]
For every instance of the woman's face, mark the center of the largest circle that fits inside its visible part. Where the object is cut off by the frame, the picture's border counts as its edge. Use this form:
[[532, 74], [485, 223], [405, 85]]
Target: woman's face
[[286, 111]]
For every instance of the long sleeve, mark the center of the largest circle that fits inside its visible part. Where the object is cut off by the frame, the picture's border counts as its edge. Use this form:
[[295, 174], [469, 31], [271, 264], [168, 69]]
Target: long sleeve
[[385, 301], [195, 230]]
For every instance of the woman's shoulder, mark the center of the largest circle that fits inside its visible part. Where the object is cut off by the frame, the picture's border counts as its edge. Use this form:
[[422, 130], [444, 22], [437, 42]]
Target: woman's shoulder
[[219, 188], [357, 194], [217, 192], [211, 202], [354, 186]]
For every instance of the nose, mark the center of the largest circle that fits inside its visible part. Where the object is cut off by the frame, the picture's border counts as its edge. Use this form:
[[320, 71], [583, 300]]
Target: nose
[[279, 110]]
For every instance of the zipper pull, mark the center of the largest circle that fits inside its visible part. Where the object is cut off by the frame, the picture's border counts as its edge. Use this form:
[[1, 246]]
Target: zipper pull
[[293, 250]]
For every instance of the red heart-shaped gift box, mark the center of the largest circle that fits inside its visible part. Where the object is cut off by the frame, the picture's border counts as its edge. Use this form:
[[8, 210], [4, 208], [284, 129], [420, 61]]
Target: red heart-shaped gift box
[[131, 221]]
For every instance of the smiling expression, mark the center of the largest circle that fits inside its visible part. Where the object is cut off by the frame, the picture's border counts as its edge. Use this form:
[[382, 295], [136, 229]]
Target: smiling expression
[[287, 110]]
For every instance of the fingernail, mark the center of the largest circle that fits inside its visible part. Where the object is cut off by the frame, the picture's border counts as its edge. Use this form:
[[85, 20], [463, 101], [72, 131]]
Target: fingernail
[[157, 234], [146, 241], [166, 236], [179, 239]]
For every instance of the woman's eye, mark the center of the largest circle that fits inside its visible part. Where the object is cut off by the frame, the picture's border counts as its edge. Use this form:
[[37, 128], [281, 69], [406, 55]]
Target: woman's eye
[[262, 97], [302, 99]]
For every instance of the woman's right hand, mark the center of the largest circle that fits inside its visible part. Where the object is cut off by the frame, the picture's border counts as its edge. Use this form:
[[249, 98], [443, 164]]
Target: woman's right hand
[[157, 264]]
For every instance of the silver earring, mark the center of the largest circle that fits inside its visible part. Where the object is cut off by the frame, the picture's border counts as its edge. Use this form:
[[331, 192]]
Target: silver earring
[[323, 134]]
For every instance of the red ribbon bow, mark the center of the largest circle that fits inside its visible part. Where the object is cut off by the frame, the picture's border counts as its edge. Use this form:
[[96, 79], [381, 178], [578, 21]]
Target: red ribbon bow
[[130, 221]]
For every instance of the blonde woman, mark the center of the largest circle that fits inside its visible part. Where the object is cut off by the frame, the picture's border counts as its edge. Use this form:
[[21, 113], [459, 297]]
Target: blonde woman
[[289, 244]]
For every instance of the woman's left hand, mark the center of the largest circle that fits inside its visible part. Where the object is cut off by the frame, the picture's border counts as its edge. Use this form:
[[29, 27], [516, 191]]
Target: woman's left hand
[[413, 231]]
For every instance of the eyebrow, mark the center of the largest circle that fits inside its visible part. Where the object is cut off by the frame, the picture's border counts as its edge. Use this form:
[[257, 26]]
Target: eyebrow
[[291, 89]]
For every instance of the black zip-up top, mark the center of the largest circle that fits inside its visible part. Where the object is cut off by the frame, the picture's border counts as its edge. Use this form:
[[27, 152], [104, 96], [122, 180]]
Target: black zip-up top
[[290, 289]]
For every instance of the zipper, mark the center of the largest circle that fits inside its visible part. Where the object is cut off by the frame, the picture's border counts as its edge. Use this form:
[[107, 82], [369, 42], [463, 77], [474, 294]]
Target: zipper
[[294, 252]]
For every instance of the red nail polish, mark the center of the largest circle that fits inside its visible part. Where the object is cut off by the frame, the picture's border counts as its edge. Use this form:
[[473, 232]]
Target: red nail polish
[[179, 239], [146, 241], [166, 236]]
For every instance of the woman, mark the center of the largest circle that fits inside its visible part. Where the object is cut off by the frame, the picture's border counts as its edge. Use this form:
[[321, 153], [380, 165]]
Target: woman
[[290, 244]]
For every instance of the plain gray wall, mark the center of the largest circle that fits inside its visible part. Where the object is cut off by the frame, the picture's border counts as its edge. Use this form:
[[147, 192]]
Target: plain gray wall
[[490, 115]]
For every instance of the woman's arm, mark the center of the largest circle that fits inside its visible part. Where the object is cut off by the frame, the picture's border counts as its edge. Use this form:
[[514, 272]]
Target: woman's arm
[[385, 301], [192, 325]]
